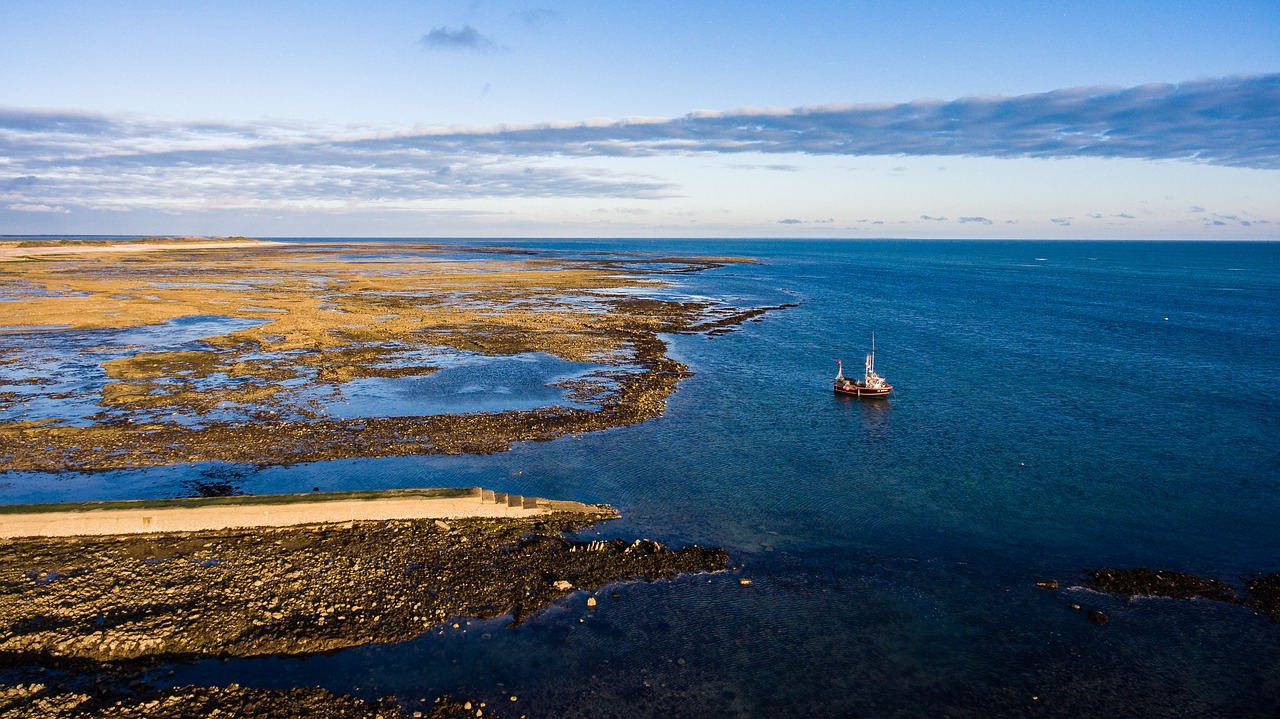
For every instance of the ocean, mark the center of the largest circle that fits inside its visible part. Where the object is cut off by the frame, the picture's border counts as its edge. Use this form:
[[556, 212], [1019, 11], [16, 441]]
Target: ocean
[[1058, 407]]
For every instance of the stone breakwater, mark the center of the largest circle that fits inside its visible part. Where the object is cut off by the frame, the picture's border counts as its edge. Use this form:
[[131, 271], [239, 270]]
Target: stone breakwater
[[212, 513], [83, 618]]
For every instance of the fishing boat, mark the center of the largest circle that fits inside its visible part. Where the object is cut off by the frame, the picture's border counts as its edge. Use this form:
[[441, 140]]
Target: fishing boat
[[872, 384]]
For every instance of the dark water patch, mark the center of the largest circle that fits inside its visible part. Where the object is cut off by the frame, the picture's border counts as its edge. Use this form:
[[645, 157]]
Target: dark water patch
[[217, 479], [214, 488]]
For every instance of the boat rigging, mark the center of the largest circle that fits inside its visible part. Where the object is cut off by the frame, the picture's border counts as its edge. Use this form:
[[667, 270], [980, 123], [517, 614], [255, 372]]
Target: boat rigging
[[872, 385]]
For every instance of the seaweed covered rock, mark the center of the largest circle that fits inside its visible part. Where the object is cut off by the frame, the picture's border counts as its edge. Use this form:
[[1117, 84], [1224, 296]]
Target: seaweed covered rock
[[1159, 583], [100, 612], [38, 701], [301, 590]]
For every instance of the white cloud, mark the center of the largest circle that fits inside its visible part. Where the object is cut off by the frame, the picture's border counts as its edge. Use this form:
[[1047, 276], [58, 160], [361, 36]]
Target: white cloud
[[20, 207], [55, 160]]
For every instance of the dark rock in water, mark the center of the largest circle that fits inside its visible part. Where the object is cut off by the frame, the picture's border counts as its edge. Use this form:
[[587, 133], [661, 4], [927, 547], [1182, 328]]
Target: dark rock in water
[[1097, 617], [1264, 594], [1159, 583], [1261, 593]]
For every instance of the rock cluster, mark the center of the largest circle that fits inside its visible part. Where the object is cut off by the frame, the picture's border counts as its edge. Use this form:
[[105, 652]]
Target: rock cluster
[[1262, 593], [115, 605]]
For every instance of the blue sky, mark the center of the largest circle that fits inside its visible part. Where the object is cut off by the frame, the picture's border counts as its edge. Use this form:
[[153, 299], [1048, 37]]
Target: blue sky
[[744, 119]]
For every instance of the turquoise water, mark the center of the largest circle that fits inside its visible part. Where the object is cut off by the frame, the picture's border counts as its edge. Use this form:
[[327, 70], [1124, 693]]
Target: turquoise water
[[1059, 406]]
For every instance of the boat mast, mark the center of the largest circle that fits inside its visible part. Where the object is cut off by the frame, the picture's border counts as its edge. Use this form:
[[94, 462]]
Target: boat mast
[[871, 358]]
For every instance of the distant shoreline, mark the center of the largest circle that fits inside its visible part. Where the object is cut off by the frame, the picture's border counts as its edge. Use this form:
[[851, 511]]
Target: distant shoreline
[[39, 248]]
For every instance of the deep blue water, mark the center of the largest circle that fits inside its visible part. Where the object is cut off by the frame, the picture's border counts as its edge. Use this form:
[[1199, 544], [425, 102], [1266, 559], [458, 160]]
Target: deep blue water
[[1059, 406]]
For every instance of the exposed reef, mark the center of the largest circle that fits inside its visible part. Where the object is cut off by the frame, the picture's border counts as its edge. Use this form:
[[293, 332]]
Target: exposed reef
[[306, 320], [83, 619], [130, 355], [1159, 583], [1260, 593], [299, 590]]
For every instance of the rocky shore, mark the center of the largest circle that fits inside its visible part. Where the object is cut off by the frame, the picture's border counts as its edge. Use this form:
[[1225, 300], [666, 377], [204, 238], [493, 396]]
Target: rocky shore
[[83, 619]]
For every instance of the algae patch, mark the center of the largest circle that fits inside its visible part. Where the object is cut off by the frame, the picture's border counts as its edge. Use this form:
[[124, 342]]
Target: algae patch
[[248, 354]]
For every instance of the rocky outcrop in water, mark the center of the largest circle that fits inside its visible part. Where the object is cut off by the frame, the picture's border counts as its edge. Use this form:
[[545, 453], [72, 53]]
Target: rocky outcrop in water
[[96, 611], [1260, 593], [1159, 583]]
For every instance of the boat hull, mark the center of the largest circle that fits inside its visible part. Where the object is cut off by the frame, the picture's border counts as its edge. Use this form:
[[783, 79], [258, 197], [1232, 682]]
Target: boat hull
[[864, 392]]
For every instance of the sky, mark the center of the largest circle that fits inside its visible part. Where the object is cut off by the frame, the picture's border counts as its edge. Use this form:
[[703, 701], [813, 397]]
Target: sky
[[1083, 119]]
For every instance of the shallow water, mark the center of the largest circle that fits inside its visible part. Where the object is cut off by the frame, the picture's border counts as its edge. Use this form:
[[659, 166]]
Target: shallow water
[[1048, 418], [469, 382], [70, 363]]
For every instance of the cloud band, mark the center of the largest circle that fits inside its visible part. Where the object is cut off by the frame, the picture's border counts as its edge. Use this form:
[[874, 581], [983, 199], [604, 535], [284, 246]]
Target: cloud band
[[62, 159]]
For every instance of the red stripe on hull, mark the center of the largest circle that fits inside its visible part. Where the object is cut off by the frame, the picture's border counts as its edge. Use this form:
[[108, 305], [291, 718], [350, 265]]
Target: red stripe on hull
[[864, 392]]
